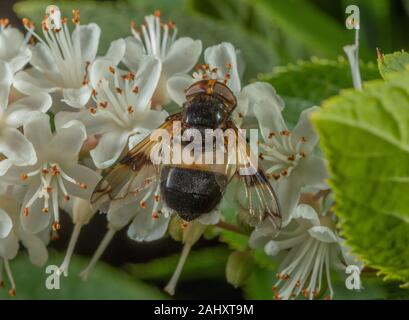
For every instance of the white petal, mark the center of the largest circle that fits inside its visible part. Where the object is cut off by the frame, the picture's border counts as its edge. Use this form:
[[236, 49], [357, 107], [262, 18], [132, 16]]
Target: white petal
[[176, 87], [33, 81], [68, 140], [134, 53], [15, 146], [77, 97], [37, 250], [20, 61], [5, 224], [307, 213], [81, 174], [258, 239], [182, 56], [43, 59], [94, 124], [272, 248], [100, 70], [220, 55], [145, 228], [241, 63], [147, 77], [210, 218], [312, 172], [266, 105], [11, 41], [38, 131], [36, 220], [19, 111], [305, 129], [88, 37], [5, 165], [122, 211], [323, 234], [109, 149], [116, 51], [9, 246], [288, 191], [6, 79]]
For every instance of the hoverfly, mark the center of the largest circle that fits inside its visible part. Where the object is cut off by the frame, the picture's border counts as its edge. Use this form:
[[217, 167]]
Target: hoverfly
[[194, 190]]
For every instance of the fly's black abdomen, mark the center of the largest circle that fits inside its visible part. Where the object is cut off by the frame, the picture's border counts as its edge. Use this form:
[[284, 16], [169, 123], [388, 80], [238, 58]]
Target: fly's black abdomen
[[191, 192]]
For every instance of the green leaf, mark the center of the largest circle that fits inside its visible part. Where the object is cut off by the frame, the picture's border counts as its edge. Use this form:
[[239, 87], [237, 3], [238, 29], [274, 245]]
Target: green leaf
[[308, 83], [115, 18], [301, 20], [201, 264], [365, 138], [105, 282], [372, 288], [394, 62], [259, 285]]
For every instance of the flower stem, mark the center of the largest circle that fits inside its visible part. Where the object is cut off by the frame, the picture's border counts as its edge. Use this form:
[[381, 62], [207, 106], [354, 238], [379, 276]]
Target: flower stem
[[70, 250], [100, 250], [170, 287]]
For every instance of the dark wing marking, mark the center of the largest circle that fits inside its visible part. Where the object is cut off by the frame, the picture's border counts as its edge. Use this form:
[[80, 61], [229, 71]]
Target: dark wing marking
[[252, 192]]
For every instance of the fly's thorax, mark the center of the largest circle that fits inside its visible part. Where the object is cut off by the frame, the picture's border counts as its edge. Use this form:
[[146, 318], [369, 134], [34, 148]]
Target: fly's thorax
[[204, 111]]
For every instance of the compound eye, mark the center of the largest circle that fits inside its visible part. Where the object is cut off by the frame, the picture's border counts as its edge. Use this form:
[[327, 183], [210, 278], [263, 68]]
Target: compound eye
[[226, 94]]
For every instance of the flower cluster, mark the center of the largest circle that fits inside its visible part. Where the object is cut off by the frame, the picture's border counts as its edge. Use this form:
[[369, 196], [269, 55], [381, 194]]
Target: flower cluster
[[67, 115]]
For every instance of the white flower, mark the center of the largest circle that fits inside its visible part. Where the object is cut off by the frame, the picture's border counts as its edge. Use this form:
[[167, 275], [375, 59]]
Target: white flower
[[123, 108], [308, 248], [288, 156], [61, 61], [81, 213], [14, 48], [158, 39], [15, 149], [55, 176], [9, 245], [225, 64], [145, 212]]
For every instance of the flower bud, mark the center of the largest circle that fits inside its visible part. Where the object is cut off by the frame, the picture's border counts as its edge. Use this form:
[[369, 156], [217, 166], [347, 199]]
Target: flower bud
[[175, 230], [239, 267]]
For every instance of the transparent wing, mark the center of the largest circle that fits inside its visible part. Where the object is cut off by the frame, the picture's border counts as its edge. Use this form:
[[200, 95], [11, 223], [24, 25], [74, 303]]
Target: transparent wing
[[133, 171], [249, 187]]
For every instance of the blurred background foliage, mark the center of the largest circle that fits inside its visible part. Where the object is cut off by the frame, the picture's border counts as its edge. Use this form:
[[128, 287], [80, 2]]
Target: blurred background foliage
[[296, 45]]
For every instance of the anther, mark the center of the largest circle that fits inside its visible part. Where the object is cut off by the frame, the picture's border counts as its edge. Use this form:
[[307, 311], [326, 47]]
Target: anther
[[44, 210], [135, 89], [130, 109], [75, 16], [271, 134], [157, 197], [111, 69], [66, 198], [103, 104], [118, 90], [26, 212], [12, 292], [24, 177], [83, 186], [56, 226], [143, 204]]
